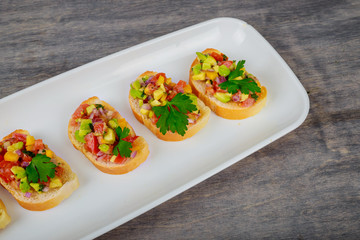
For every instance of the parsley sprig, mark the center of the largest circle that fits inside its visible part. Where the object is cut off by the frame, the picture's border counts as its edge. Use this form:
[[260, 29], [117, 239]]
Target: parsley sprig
[[245, 85], [123, 147], [40, 168], [172, 116]]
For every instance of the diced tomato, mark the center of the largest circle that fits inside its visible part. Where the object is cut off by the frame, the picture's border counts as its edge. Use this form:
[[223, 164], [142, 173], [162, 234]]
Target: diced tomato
[[179, 87], [248, 102], [226, 63], [171, 95], [39, 145], [92, 144], [217, 56], [156, 77], [120, 159], [59, 171], [150, 88], [26, 158], [79, 111], [1, 158], [131, 138], [20, 137], [99, 128], [5, 170]]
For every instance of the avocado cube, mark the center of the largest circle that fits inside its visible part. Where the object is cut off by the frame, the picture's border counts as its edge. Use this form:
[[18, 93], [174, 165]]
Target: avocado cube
[[155, 103], [109, 137], [113, 123], [200, 76], [15, 146], [78, 138], [90, 108], [223, 97], [196, 69], [224, 70], [85, 127], [201, 56], [18, 171], [206, 66], [104, 147], [210, 60], [136, 84], [35, 186], [24, 185]]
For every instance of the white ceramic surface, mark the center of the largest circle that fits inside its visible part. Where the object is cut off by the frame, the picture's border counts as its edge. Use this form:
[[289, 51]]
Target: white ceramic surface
[[103, 202]]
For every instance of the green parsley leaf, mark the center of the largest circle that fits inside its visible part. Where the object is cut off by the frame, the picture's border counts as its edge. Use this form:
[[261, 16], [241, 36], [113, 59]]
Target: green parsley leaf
[[29, 153], [40, 168], [245, 86], [123, 147], [172, 116], [237, 72]]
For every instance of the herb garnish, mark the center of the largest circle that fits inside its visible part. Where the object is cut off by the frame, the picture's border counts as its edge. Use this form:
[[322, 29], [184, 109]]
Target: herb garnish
[[123, 147], [40, 168], [172, 116]]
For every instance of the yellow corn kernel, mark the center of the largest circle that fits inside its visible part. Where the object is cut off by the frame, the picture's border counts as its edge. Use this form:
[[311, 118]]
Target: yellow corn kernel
[[49, 153], [55, 182], [162, 87], [158, 94], [30, 140], [211, 75], [163, 98], [187, 89], [168, 81], [11, 157], [122, 123], [144, 111], [151, 114], [160, 80]]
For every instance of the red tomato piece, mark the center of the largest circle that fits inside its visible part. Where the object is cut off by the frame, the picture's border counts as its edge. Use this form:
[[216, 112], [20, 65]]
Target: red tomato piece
[[248, 102], [92, 144], [120, 159], [226, 63], [20, 137], [80, 111], [179, 87], [217, 56], [131, 138], [5, 170], [156, 77], [99, 128], [39, 145]]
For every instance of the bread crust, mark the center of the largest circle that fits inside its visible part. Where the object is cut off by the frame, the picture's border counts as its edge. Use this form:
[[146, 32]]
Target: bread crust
[[169, 136], [230, 110], [139, 145], [5, 219], [50, 199]]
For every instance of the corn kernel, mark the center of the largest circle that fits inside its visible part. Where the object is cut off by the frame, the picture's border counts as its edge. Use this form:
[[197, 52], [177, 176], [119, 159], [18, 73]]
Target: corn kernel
[[144, 111], [151, 114], [49, 153], [158, 94], [30, 140], [11, 157], [211, 75], [163, 98], [160, 80], [187, 89]]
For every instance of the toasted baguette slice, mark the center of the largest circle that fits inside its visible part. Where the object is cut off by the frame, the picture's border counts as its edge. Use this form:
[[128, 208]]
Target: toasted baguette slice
[[169, 136], [229, 110], [44, 200], [5, 219], [139, 145]]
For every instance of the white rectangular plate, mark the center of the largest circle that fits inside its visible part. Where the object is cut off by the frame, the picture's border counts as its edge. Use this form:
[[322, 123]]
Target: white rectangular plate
[[103, 202]]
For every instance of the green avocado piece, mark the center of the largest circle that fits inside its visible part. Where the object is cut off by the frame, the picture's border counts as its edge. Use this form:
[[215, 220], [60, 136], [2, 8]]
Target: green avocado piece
[[109, 137], [223, 97], [104, 147], [36, 186], [224, 70], [201, 56], [113, 123], [200, 76], [210, 60], [90, 108], [206, 66], [136, 85], [78, 138], [24, 185], [193, 98], [196, 69], [136, 93], [18, 171], [85, 127]]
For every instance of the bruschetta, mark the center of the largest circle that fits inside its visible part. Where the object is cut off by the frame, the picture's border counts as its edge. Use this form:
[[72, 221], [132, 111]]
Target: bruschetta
[[36, 177], [5, 219], [169, 110], [225, 86], [106, 138]]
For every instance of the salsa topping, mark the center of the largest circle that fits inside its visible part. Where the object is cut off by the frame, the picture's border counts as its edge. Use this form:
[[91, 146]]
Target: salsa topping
[[226, 80], [171, 106], [27, 165], [102, 134]]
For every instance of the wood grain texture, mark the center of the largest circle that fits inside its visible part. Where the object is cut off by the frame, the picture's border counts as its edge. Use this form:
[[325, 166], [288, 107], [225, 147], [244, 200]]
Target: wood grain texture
[[305, 185]]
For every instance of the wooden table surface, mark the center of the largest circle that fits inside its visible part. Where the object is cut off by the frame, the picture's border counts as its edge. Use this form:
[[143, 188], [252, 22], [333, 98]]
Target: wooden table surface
[[306, 185]]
